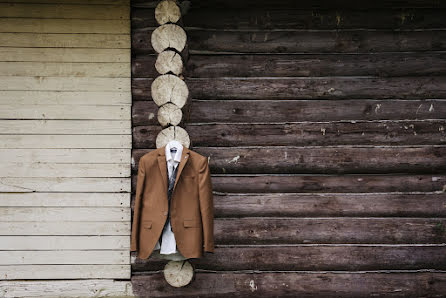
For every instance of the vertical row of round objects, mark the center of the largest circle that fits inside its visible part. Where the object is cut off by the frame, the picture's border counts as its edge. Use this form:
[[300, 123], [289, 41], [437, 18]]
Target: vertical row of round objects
[[168, 90]]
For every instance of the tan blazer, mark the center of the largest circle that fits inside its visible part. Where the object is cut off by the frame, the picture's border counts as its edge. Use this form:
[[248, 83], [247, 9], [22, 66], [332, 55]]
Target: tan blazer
[[191, 210]]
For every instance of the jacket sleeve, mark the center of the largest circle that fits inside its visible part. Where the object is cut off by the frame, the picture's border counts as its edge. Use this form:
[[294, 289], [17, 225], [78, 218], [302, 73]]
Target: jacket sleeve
[[136, 214], [206, 205]]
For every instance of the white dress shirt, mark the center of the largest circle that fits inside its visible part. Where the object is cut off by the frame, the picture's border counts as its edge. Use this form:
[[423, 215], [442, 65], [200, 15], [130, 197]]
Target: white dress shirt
[[168, 243]]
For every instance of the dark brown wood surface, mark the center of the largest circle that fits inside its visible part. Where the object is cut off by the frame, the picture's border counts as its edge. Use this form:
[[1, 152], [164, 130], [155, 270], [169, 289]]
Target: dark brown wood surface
[[325, 126], [296, 284], [313, 257]]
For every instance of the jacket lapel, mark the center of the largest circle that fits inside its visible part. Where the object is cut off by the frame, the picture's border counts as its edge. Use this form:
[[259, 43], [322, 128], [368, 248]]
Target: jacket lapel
[[162, 164]]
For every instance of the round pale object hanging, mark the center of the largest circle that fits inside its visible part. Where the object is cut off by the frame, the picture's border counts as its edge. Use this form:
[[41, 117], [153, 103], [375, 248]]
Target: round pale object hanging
[[178, 273], [167, 11], [169, 113], [169, 61], [172, 133], [169, 88], [168, 36]]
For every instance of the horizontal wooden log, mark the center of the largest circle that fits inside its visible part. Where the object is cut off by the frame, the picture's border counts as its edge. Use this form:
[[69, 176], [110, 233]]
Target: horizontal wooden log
[[10, 272], [303, 65], [258, 111], [66, 141], [60, 199], [13, 214], [70, 288], [326, 160], [67, 69], [299, 183], [99, 156], [313, 4], [302, 41], [426, 132], [262, 230], [81, 170], [63, 242], [59, 184], [16, 83], [297, 284], [94, 99], [305, 88], [312, 257], [65, 127], [62, 40], [38, 25], [13, 54], [65, 228], [55, 257], [68, 11], [308, 205], [280, 18]]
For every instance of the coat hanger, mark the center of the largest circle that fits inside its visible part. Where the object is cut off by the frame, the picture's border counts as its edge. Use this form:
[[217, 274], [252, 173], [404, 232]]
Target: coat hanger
[[174, 144]]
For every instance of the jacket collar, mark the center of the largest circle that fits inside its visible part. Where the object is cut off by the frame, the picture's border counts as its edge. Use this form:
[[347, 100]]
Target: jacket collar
[[162, 165]]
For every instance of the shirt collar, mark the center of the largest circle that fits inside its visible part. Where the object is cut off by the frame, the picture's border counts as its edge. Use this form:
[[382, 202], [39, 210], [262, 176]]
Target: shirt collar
[[177, 156]]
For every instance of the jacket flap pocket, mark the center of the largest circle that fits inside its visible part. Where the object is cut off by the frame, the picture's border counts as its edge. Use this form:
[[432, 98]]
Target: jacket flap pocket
[[190, 223], [147, 224]]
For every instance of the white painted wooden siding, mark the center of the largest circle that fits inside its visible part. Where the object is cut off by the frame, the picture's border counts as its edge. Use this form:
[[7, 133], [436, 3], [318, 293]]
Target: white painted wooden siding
[[65, 147]]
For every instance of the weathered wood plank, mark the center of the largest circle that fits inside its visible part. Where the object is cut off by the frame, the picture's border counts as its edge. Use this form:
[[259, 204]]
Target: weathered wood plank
[[100, 156], [9, 272], [425, 132], [271, 65], [70, 288], [64, 242], [326, 160], [38, 25], [294, 19], [65, 112], [66, 11], [13, 214], [65, 69], [312, 258], [55, 257], [302, 41], [261, 230], [85, 170], [15, 83], [64, 228], [14, 54], [301, 183], [66, 141], [65, 127], [307, 205], [305, 88], [65, 40], [48, 199], [286, 111], [297, 284], [28, 97], [60, 184]]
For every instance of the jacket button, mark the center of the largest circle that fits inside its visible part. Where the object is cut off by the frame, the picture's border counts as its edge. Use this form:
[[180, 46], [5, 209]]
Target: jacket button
[[165, 212]]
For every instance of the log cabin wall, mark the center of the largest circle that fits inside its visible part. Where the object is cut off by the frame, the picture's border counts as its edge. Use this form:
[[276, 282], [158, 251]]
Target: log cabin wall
[[65, 147], [324, 124]]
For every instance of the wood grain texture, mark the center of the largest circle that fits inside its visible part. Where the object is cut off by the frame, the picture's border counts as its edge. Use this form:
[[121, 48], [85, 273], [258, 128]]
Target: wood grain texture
[[306, 88], [301, 18], [302, 183], [65, 228], [321, 160], [302, 284], [328, 133], [326, 204], [313, 258], [297, 41]]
